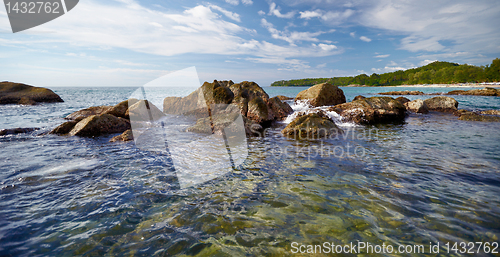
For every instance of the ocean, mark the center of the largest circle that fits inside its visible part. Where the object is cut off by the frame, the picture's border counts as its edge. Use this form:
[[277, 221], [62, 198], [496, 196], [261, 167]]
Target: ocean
[[430, 180]]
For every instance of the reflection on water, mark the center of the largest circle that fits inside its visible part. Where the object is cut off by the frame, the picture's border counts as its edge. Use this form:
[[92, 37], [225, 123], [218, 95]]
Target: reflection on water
[[431, 179]]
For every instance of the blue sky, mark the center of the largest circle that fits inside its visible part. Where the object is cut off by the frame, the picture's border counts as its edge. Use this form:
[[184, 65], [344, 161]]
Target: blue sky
[[129, 42]]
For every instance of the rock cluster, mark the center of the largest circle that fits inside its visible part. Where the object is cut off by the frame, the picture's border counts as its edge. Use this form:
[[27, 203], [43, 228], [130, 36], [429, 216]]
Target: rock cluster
[[17, 93], [487, 91]]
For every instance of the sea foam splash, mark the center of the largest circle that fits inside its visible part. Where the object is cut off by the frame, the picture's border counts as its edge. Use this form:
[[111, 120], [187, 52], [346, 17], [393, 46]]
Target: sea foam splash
[[303, 106]]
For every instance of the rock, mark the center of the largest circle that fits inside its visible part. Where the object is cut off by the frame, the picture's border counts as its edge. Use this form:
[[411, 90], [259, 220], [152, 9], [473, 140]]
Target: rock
[[213, 124], [441, 104], [324, 94], [416, 106], [97, 125], [17, 93], [359, 97], [311, 126], [371, 110], [120, 110], [84, 113], [14, 131], [280, 109], [472, 116], [487, 91], [491, 112], [222, 97], [406, 92], [124, 137], [402, 99], [64, 128], [144, 110], [283, 98]]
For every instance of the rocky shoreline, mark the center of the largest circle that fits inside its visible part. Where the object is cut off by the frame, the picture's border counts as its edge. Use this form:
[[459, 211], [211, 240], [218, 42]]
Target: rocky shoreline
[[216, 105]]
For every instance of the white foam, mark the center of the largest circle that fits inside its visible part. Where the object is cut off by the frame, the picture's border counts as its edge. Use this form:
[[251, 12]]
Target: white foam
[[303, 106]]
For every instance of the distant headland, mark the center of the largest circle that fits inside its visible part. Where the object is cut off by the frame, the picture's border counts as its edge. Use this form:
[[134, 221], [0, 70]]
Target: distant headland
[[436, 73]]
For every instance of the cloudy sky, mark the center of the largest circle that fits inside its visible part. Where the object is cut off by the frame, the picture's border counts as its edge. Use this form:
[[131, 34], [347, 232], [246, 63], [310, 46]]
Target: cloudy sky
[[131, 42]]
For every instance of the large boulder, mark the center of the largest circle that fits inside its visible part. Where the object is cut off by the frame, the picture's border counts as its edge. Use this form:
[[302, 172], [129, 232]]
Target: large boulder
[[442, 104], [406, 92], [120, 110], [324, 94], [371, 110], [84, 113], [487, 91], [311, 126], [97, 125], [222, 97], [416, 106], [144, 110], [17, 93]]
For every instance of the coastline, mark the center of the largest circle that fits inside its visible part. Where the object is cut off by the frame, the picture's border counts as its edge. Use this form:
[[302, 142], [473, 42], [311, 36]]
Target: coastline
[[465, 85]]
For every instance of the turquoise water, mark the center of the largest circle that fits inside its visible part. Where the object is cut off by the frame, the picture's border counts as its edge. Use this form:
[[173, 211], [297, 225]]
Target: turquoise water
[[431, 179]]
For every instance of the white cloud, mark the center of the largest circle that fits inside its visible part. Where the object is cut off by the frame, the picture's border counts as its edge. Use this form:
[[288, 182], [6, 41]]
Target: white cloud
[[261, 12], [233, 2], [274, 10], [231, 15], [320, 66], [247, 2], [382, 56], [326, 47], [353, 34], [365, 39], [291, 37], [425, 62], [387, 69], [310, 14]]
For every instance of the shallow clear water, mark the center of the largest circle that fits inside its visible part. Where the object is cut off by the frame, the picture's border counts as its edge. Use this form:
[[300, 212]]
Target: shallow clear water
[[431, 179]]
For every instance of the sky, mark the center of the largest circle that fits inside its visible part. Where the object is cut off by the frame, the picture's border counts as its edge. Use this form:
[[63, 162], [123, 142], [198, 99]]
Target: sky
[[131, 42]]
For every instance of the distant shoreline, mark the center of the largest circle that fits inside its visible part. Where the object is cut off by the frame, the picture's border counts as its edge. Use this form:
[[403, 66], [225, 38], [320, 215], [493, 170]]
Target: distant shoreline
[[480, 85]]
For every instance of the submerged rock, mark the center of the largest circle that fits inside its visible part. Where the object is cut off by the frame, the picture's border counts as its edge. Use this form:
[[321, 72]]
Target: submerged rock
[[491, 112], [144, 110], [324, 94], [416, 106], [441, 104], [472, 116], [487, 91], [371, 110], [97, 125], [124, 137], [406, 92], [14, 131], [311, 126], [17, 93], [84, 113]]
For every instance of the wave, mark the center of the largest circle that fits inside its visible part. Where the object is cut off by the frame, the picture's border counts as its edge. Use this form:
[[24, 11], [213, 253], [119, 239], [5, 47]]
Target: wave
[[304, 107]]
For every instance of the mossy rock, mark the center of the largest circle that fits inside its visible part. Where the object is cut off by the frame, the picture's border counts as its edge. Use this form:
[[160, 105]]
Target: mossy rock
[[311, 126], [442, 104], [18, 93], [372, 110], [280, 109], [259, 111], [472, 116]]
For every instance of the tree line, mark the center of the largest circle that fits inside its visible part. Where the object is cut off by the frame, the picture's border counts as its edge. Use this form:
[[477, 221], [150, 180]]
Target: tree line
[[432, 73]]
